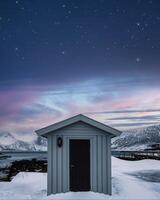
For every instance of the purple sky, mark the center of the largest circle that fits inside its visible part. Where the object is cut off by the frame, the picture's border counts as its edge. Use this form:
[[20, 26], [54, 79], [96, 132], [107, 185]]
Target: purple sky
[[61, 58]]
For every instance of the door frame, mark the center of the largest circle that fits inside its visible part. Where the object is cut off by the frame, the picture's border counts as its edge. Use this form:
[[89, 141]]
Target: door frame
[[89, 162], [90, 138]]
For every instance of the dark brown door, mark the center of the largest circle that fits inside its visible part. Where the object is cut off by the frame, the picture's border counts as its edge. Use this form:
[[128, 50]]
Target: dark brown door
[[79, 165]]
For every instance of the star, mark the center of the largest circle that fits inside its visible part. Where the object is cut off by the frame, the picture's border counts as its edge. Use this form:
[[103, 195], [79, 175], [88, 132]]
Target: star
[[63, 52], [63, 6], [16, 48], [138, 23], [138, 59]]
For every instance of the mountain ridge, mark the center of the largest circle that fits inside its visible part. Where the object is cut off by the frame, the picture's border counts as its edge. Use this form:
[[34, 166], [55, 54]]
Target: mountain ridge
[[132, 139], [138, 138], [8, 142]]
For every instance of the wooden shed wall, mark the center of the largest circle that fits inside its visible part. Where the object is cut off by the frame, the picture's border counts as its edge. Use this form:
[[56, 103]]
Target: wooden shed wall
[[100, 158]]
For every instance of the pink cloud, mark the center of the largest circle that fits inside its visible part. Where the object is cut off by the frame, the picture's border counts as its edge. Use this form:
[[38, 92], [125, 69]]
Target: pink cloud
[[11, 102], [29, 125]]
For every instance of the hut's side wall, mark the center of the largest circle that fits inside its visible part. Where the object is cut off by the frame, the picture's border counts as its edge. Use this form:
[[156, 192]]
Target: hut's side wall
[[58, 158]]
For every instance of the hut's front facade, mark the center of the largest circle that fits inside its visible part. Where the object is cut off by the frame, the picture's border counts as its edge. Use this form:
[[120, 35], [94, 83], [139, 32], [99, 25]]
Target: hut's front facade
[[79, 155]]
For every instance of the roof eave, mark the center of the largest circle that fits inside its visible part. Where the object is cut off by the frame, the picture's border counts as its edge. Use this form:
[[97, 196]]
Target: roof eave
[[46, 130]]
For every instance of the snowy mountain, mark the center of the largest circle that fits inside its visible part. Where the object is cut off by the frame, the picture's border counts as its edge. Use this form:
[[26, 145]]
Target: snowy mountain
[[40, 144], [9, 142], [6, 138], [134, 139], [138, 139]]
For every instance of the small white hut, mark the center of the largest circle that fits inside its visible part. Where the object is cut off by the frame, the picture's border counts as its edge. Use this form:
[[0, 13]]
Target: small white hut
[[79, 155]]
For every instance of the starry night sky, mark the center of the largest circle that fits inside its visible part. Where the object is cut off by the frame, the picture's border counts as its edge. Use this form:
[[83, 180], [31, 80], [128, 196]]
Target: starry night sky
[[96, 57]]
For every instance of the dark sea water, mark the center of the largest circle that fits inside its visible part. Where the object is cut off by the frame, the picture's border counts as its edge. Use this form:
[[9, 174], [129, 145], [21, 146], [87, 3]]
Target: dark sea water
[[10, 160]]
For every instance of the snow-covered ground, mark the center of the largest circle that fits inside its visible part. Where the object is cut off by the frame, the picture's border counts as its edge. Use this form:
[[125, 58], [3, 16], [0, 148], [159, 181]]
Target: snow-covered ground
[[131, 180]]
